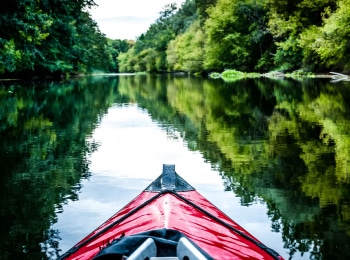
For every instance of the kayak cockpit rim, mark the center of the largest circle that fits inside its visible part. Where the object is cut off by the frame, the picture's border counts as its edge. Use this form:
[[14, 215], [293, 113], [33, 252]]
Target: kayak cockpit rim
[[153, 244]]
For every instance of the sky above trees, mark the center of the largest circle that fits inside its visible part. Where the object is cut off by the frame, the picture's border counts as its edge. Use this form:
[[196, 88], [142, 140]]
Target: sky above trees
[[127, 19]]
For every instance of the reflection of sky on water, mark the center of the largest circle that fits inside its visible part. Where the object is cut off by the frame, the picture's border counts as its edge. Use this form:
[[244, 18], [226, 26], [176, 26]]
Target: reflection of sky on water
[[132, 151]]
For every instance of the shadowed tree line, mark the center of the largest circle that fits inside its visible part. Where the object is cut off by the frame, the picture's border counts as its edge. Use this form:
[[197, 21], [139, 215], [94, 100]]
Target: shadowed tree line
[[52, 38]]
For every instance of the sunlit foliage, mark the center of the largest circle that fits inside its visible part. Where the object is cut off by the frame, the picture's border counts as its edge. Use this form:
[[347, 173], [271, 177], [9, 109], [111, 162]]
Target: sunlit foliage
[[58, 37], [250, 35], [330, 42], [236, 35], [185, 53], [149, 52]]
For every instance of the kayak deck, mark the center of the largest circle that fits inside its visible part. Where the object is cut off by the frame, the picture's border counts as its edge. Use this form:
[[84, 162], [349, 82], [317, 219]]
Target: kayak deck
[[171, 204]]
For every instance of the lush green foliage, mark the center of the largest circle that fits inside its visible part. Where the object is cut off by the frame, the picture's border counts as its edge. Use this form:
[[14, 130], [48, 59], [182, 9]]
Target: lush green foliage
[[236, 33], [330, 42], [149, 52], [185, 52], [249, 35], [59, 36], [49, 37], [116, 48]]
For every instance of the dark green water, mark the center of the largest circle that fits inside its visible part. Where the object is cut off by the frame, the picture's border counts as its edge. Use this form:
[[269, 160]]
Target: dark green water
[[272, 154]]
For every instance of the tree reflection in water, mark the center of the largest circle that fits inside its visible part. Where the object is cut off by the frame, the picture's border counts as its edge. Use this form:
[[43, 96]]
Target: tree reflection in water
[[284, 142]]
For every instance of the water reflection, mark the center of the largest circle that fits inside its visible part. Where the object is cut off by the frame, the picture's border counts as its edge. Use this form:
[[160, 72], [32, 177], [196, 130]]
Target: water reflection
[[43, 156], [279, 147], [283, 142]]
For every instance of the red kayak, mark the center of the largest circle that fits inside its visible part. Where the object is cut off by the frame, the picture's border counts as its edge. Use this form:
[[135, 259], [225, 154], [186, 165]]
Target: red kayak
[[170, 220]]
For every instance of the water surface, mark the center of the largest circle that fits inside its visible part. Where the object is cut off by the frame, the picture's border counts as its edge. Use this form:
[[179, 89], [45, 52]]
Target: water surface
[[272, 154]]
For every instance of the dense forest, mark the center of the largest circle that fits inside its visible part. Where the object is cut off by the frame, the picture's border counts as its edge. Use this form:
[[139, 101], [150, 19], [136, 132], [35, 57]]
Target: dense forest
[[58, 37], [53, 38]]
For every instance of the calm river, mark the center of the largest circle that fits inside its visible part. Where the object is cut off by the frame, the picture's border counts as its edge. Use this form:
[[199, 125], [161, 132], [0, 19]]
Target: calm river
[[274, 155]]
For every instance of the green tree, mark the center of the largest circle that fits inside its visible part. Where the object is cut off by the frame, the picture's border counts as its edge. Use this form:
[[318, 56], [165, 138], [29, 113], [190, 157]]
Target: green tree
[[49, 37], [115, 48], [184, 17], [24, 27], [202, 6], [172, 21], [185, 52], [127, 61], [237, 36], [329, 42], [287, 20]]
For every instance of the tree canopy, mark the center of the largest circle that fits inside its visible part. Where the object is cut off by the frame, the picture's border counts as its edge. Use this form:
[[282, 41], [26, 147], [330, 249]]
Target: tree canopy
[[59, 36], [248, 35], [49, 37]]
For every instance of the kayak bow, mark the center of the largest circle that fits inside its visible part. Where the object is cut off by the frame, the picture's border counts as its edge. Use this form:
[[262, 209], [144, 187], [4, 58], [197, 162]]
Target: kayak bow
[[170, 220]]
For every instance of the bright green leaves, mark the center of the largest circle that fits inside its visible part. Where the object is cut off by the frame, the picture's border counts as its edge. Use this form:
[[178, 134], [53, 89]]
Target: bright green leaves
[[214, 35], [236, 32], [288, 55], [35, 24], [9, 55], [292, 24], [330, 42], [149, 52], [185, 52], [115, 48]]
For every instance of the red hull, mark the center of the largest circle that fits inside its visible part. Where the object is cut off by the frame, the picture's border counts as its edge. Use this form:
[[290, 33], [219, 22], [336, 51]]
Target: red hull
[[185, 211]]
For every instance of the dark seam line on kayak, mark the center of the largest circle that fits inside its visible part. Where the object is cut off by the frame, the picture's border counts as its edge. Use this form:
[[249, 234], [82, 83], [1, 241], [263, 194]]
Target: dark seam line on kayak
[[77, 247], [268, 250]]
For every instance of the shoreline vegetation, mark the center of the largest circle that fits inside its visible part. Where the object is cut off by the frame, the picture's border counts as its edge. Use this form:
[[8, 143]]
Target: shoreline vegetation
[[59, 39]]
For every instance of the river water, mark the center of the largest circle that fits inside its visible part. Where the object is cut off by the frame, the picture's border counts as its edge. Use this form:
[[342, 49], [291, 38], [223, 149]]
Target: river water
[[272, 154]]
